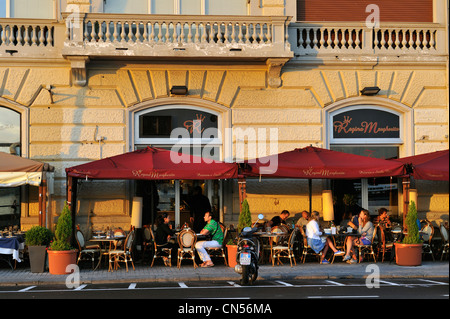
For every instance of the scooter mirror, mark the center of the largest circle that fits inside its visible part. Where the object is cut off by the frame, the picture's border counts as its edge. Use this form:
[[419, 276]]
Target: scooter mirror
[[260, 216], [247, 229]]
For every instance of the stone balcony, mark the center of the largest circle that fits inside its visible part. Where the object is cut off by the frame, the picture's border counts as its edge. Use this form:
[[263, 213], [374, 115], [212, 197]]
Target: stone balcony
[[350, 43], [272, 40]]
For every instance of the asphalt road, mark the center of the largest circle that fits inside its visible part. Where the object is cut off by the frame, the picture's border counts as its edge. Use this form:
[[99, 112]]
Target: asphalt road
[[273, 290]]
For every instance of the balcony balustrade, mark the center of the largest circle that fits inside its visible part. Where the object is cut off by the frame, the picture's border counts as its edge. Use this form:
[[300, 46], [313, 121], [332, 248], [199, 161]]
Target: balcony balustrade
[[353, 41], [273, 40], [227, 37]]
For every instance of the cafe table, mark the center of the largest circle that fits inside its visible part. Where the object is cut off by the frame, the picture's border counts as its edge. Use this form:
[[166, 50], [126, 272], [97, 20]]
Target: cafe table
[[271, 236], [106, 243], [11, 246]]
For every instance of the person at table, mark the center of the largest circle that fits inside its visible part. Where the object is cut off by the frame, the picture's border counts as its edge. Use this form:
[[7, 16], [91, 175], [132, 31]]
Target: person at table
[[365, 229], [317, 242], [199, 204], [212, 228], [164, 233], [345, 219], [278, 220], [304, 220]]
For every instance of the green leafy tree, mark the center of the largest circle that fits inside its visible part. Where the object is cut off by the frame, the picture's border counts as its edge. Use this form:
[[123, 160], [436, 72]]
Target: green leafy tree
[[63, 230], [245, 217], [411, 223]]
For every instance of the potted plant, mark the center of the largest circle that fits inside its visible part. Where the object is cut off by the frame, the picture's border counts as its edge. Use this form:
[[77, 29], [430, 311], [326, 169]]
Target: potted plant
[[245, 217], [231, 252], [37, 239], [61, 253], [409, 252]]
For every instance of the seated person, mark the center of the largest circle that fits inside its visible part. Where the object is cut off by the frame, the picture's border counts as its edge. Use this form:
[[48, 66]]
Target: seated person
[[304, 220], [345, 219], [365, 229], [164, 233], [278, 220], [315, 240], [212, 227]]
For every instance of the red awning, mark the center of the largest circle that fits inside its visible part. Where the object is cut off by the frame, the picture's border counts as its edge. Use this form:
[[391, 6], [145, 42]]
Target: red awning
[[154, 164], [318, 163], [429, 166]]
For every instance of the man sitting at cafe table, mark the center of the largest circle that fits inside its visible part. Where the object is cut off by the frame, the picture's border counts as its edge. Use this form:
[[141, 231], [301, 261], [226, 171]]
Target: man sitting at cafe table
[[278, 220], [212, 228]]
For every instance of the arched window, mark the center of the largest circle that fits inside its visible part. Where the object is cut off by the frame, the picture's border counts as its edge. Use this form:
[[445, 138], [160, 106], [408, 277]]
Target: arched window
[[10, 131], [376, 129], [182, 128], [10, 138]]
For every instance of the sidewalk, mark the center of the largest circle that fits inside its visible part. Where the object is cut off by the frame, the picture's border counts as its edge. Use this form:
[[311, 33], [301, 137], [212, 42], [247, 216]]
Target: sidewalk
[[310, 270]]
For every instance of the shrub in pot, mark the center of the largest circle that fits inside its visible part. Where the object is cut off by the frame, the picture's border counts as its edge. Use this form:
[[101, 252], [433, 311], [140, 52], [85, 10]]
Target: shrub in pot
[[37, 239], [61, 253], [409, 252], [245, 217]]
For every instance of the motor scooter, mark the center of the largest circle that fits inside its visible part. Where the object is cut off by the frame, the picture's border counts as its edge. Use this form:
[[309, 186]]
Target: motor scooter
[[247, 255]]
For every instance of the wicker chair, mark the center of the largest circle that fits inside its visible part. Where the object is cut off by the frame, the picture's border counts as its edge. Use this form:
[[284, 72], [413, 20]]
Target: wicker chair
[[123, 255], [186, 241], [368, 249], [307, 250], [383, 245], [285, 251], [148, 242], [91, 251], [219, 251], [160, 251], [427, 235], [444, 236]]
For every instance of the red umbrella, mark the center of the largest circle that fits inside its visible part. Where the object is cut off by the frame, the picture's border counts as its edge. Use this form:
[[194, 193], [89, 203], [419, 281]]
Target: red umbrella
[[429, 166], [154, 164], [318, 163]]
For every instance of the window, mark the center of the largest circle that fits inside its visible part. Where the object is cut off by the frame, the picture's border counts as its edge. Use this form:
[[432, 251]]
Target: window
[[371, 131], [3, 8], [9, 143], [180, 128], [9, 131], [42, 9], [189, 7]]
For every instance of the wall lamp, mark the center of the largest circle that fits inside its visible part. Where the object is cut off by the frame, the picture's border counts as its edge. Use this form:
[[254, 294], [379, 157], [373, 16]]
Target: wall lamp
[[179, 90], [370, 90]]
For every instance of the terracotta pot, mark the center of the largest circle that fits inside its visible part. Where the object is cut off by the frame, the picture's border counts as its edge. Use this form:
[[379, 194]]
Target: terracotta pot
[[231, 254], [408, 254], [58, 260]]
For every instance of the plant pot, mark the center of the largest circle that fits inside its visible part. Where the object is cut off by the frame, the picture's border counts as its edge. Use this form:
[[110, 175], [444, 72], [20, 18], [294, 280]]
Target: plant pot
[[37, 258], [231, 254], [408, 254], [58, 260]]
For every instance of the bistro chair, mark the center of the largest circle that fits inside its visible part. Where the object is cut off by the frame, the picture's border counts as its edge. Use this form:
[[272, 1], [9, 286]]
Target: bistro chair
[[123, 255], [368, 249], [186, 241], [444, 236], [427, 232], [147, 243], [339, 244], [160, 251], [219, 251], [307, 250], [384, 246], [285, 251], [89, 251]]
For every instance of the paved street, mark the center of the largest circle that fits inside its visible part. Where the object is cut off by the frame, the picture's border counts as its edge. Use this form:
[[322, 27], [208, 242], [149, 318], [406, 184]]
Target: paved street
[[399, 288]]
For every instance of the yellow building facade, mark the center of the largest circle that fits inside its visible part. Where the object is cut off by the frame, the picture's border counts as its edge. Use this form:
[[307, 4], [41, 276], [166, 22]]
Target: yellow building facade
[[83, 80]]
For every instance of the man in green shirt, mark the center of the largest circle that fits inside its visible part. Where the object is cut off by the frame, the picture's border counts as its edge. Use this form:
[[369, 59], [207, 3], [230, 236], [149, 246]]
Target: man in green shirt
[[212, 227]]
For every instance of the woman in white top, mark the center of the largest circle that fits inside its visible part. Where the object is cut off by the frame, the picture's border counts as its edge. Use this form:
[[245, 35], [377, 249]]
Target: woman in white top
[[315, 241]]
